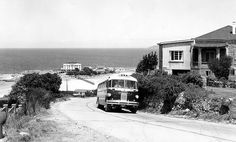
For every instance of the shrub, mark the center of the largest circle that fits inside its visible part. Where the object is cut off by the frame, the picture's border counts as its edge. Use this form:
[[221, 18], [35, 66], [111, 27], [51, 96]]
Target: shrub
[[223, 81], [156, 91], [210, 81], [232, 84], [87, 71], [72, 73], [33, 89], [193, 98], [92, 93], [193, 78], [159, 73], [221, 67]]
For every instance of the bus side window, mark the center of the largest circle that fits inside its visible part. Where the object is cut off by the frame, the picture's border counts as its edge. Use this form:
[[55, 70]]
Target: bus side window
[[114, 83], [109, 83]]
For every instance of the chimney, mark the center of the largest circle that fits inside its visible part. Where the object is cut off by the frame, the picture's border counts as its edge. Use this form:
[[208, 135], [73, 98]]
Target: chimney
[[233, 27]]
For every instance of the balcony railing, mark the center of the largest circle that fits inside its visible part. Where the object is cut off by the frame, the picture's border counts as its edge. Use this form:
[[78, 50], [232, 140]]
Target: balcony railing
[[203, 65]]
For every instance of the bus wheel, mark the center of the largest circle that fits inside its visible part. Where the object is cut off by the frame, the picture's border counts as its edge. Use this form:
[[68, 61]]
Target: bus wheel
[[107, 108], [98, 104], [133, 110]]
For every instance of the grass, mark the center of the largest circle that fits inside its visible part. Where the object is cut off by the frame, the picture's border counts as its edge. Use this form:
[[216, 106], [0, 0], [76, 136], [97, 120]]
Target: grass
[[222, 92], [20, 128]]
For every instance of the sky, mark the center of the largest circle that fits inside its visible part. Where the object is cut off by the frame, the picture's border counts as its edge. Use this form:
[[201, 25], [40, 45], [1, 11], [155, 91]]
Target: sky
[[108, 23]]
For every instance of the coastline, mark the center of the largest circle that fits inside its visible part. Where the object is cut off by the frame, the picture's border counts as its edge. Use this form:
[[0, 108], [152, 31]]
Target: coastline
[[5, 88], [8, 80]]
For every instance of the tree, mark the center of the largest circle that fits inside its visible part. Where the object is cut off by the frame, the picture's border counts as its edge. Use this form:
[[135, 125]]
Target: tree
[[148, 62], [87, 71], [51, 82], [32, 87], [221, 67]]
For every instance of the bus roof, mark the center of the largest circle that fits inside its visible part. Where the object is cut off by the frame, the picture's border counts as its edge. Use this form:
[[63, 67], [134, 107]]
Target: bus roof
[[122, 76]]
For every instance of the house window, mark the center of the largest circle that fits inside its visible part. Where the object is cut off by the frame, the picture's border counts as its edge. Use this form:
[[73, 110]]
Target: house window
[[176, 55], [208, 73]]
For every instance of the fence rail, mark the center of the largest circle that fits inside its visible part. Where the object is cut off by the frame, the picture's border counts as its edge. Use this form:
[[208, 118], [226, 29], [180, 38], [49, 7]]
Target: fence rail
[[12, 110]]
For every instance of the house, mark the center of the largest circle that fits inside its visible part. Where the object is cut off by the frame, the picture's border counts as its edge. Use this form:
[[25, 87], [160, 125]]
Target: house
[[194, 54], [100, 69], [70, 66]]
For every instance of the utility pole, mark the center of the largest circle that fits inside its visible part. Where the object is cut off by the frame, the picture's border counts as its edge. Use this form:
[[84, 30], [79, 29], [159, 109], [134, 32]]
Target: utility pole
[[67, 85]]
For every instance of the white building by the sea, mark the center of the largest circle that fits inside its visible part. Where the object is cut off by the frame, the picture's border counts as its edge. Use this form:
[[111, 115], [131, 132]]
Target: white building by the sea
[[69, 66]]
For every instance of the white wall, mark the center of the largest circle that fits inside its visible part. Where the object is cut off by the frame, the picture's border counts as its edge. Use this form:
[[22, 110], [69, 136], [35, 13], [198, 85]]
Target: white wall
[[185, 65], [71, 66]]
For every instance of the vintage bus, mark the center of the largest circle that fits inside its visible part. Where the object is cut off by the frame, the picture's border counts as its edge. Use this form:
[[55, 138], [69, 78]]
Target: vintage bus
[[117, 92]]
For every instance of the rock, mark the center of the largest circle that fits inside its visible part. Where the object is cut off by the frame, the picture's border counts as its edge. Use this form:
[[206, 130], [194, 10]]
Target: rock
[[24, 134], [180, 99]]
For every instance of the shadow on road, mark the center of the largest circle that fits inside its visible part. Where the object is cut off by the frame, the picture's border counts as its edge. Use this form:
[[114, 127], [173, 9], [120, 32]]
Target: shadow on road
[[117, 110]]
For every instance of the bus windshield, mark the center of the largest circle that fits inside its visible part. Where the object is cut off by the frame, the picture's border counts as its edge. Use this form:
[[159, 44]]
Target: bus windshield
[[130, 84], [118, 83], [124, 84]]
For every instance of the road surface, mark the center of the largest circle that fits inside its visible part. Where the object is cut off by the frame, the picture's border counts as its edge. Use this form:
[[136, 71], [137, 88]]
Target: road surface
[[144, 127]]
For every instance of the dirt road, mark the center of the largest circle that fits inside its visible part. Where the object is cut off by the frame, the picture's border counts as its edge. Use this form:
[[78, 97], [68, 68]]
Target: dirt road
[[142, 127]]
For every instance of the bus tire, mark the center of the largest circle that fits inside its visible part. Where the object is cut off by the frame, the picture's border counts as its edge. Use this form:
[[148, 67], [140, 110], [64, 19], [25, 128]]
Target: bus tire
[[133, 110], [107, 108]]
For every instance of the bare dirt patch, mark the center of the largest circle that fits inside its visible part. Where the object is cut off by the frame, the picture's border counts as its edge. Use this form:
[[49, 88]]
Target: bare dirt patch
[[68, 131]]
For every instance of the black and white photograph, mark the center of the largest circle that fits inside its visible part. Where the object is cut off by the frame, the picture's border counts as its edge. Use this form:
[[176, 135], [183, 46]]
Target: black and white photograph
[[117, 71]]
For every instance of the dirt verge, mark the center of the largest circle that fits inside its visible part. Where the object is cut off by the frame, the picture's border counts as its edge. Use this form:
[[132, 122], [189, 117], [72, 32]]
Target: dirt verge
[[69, 131]]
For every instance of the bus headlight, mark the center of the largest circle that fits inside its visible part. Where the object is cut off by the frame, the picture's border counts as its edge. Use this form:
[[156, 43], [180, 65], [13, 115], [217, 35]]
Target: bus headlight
[[136, 96], [109, 94]]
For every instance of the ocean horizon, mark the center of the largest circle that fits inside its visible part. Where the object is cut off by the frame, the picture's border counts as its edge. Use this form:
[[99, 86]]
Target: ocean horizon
[[16, 60]]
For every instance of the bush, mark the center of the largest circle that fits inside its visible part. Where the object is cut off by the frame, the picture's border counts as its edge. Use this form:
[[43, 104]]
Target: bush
[[221, 67], [158, 92], [224, 82], [92, 93], [159, 73], [34, 89], [193, 78], [194, 99], [210, 81], [232, 84]]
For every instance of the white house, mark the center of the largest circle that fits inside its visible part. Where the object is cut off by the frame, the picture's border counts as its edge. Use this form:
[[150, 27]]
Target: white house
[[175, 56], [194, 54], [69, 66]]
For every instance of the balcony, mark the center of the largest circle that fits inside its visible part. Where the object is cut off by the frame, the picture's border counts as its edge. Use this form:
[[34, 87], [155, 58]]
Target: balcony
[[203, 65]]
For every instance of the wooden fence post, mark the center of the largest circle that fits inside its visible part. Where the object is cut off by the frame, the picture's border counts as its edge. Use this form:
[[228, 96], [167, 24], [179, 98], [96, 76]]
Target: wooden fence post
[[14, 108], [5, 106]]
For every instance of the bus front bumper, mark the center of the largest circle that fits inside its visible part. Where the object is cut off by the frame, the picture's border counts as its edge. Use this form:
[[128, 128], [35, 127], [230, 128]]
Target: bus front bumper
[[122, 103]]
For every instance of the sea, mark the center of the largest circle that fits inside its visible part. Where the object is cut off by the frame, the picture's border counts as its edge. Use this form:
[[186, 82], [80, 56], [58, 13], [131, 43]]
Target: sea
[[20, 60]]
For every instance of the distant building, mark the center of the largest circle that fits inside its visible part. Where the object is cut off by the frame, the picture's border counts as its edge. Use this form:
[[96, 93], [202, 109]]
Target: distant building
[[120, 69], [80, 92], [88, 67], [100, 69], [70, 66], [194, 55]]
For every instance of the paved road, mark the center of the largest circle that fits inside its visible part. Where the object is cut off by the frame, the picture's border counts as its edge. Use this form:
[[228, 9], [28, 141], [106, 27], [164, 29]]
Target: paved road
[[142, 127]]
